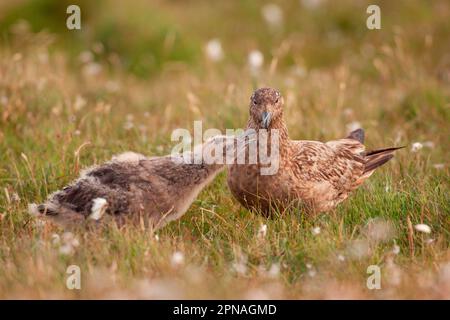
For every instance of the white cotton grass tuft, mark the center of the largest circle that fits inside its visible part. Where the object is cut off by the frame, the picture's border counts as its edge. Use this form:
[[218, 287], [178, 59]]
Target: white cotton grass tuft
[[315, 231], [416, 147], [98, 209], [68, 244], [421, 227], [396, 249], [79, 103], [311, 270], [33, 210], [92, 69], [56, 239], [262, 232], [273, 15], [177, 259], [66, 250], [213, 50], [311, 4], [274, 270], [255, 60], [69, 238], [86, 57], [240, 264]]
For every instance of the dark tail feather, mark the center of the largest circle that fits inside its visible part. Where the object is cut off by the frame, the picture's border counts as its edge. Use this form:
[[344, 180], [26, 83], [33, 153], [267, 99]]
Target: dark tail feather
[[357, 135], [376, 158]]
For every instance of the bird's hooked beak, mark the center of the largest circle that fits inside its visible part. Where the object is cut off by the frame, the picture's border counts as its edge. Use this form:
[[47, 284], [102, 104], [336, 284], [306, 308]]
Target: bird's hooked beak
[[265, 118]]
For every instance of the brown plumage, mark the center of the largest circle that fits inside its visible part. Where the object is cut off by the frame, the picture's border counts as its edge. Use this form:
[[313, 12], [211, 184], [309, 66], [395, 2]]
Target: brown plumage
[[133, 187], [311, 174]]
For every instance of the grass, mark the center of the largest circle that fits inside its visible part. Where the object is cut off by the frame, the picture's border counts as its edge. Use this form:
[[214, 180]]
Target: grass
[[58, 116]]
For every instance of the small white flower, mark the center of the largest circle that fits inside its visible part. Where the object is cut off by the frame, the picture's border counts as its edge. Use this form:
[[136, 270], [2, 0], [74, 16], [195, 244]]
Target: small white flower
[[387, 188], [439, 166], [92, 69], [156, 237], [308, 266], [69, 239], [240, 267], [262, 231], [416, 146], [273, 15], [274, 270], [128, 125], [86, 56], [98, 209], [56, 239], [315, 231], [66, 250], [311, 4], [348, 112], [396, 249], [98, 47], [177, 259], [422, 228], [75, 243], [353, 126], [213, 50], [79, 103], [255, 60], [341, 258], [15, 197]]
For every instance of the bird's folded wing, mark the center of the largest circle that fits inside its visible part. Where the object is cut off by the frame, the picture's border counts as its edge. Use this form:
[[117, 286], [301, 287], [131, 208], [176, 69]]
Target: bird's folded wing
[[337, 162]]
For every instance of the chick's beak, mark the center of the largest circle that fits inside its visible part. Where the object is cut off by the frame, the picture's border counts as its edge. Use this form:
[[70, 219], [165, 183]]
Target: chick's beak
[[265, 119]]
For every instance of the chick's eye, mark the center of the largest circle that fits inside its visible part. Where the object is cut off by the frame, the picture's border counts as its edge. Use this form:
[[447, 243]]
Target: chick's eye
[[254, 102], [276, 101]]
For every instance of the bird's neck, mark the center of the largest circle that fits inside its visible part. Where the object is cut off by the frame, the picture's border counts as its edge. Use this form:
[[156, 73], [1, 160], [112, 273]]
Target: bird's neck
[[278, 127]]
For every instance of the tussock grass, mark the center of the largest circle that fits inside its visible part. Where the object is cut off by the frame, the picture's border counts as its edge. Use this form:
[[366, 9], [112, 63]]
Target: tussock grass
[[57, 118]]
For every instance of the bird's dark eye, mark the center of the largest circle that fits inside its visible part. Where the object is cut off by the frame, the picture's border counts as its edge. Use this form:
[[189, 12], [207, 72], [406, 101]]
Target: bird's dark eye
[[254, 102], [276, 101]]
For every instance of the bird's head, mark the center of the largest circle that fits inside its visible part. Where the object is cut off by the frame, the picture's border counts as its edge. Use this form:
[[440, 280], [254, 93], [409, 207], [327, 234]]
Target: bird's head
[[266, 107]]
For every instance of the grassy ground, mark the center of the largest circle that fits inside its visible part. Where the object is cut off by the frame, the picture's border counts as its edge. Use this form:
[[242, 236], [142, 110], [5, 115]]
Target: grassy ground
[[61, 111]]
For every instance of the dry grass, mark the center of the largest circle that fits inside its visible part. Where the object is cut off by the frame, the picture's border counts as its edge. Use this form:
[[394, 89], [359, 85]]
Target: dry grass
[[58, 116]]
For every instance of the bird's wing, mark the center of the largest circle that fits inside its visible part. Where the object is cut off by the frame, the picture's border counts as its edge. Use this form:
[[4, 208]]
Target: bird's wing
[[336, 167]]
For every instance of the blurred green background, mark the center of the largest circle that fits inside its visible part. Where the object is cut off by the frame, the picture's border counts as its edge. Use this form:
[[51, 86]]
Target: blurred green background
[[145, 37]]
